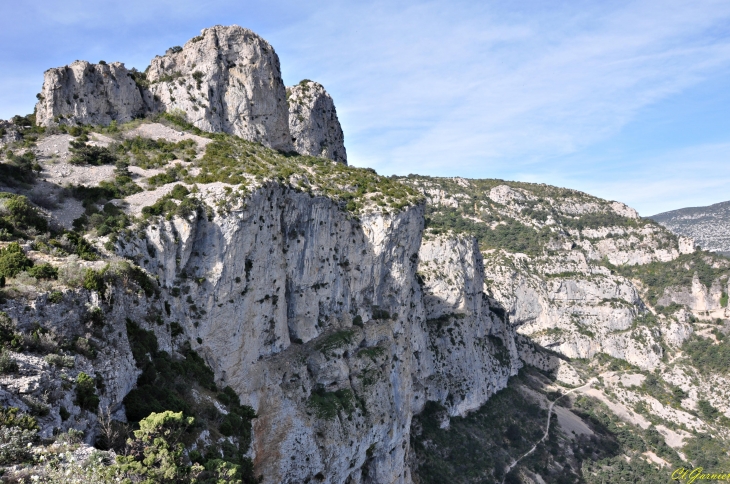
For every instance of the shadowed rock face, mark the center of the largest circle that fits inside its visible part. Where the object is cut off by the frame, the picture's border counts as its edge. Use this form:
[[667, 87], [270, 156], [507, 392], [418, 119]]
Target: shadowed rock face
[[313, 122], [227, 79], [300, 300]]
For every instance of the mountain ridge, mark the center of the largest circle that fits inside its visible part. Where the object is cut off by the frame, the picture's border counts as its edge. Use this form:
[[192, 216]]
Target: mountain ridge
[[708, 226]]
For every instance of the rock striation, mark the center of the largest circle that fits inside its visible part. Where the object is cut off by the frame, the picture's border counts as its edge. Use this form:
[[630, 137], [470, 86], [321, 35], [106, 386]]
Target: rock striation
[[313, 122], [227, 79], [297, 301], [84, 93]]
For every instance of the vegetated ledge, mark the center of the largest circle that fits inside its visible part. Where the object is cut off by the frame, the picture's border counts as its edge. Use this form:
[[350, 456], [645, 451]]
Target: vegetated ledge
[[234, 161]]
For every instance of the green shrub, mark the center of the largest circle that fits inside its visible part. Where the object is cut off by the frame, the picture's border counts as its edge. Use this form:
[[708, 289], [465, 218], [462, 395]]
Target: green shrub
[[18, 433], [157, 388], [55, 297], [43, 271], [10, 417], [326, 405], [157, 442], [95, 316], [93, 280], [63, 413], [9, 336], [707, 356], [7, 362], [168, 207], [148, 153], [176, 329], [707, 410], [13, 260], [84, 154], [22, 215], [86, 396], [60, 360]]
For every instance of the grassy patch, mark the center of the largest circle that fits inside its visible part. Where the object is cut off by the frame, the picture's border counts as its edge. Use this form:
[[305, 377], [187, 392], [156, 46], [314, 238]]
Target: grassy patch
[[327, 405], [234, 161]]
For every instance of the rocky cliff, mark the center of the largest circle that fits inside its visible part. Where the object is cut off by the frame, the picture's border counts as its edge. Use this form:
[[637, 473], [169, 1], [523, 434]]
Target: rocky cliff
[[90, 94], [227, 79], [307, 305], [319, 322], [555, 278], [707, 226], [313, 122], [301, 302]]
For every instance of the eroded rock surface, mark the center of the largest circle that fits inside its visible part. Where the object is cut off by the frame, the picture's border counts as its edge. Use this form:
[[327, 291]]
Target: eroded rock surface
[[85, 93], [227, 79], [313, 122]]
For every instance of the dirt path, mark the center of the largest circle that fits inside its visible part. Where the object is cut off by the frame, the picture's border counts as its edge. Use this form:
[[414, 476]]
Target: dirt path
[[547, 426]]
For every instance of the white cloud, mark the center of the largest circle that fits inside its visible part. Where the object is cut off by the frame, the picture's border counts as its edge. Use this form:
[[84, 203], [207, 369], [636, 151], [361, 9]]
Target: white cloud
[[691, 176], [468, 89]]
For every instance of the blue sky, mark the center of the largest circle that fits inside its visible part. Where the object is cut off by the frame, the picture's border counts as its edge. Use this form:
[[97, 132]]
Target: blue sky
[[626, 100]]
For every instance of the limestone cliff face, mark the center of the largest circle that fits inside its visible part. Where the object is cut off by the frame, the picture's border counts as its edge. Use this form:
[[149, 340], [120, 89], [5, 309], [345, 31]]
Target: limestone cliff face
[[577, 315], [108, 359], [293, 302], [227, 79], [282, 282], [313, 122], [563, 294], [698, 297], [471, 349], [89, 94]]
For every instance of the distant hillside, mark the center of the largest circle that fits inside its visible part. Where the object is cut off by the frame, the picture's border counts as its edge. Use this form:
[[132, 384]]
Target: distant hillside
[[708, 226]]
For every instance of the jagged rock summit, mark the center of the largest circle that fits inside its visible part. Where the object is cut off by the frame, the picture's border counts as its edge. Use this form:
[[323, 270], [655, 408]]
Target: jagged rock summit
[[90, 94], [227, 79], [313, 122]]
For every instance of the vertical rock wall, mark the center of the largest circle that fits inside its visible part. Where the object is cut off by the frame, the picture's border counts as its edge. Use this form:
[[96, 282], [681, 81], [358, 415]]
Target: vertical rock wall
[[89, 94], [313, 122], [227, 79], [317, 320]]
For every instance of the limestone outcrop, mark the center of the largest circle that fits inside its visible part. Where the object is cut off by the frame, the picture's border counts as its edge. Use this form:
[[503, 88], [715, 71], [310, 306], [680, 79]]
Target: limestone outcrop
[[8, 133], [313, 122], [297, 301], [226, 79], [84, 93], [563, 294], [471, 350]]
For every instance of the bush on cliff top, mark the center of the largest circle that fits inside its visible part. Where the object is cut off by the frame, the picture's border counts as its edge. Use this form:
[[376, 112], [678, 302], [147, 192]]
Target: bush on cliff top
[[235, 161]]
